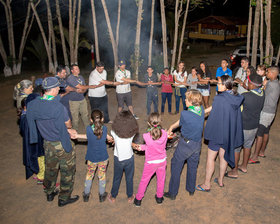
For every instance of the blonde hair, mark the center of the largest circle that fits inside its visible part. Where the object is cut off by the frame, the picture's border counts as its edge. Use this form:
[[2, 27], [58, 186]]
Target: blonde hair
[[194, 97], [154, 122], [18, 89]]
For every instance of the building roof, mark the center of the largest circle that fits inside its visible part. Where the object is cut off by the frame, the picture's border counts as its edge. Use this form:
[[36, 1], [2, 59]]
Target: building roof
[[222, 20]]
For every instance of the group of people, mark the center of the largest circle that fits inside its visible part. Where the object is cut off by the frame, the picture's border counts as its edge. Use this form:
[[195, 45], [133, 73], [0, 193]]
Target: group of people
[[50, 119]]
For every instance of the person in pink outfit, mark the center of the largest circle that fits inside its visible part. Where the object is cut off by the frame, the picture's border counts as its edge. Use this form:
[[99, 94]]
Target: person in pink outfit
[[155, 161]]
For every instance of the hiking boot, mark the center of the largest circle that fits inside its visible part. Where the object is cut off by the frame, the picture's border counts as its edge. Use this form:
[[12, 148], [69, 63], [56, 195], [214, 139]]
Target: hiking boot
[[102, 197], [51, 196], [137, 203], [70, 200], [159, 200], [85, 197]]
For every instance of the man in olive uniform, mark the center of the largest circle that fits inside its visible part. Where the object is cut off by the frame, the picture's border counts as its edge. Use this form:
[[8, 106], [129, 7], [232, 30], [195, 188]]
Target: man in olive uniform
[[51, 118]]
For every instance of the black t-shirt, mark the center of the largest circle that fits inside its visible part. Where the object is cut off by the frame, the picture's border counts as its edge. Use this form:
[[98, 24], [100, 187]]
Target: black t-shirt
[[252, 107], [203, 75]]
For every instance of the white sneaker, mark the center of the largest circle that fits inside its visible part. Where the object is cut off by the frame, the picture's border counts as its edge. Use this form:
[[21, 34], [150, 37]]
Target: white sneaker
[[135, 116]]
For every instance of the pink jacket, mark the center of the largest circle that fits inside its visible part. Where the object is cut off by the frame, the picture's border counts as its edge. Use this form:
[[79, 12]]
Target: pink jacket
[[154, 149]]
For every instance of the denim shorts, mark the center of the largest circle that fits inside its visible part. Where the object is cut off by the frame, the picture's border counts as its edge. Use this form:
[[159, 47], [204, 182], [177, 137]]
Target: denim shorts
[[204, 92], [249, 137]]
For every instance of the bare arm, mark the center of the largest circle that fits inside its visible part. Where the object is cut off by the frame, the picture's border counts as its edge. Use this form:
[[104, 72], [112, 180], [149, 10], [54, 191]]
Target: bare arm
[[173, 126]]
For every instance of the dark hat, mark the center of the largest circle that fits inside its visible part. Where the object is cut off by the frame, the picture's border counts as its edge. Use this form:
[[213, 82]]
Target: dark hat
[[122, 62], [38, 82], [50, 82], [255, 79]]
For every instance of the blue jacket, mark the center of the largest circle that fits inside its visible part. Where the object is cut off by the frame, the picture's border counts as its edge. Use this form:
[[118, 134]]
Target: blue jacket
[[224, 125], [39, 109]]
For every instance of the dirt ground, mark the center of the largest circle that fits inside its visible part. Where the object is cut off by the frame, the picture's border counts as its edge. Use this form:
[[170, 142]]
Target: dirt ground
[[252, 198]]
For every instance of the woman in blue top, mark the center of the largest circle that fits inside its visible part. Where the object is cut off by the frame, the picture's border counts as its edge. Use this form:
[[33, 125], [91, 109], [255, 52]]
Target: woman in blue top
[[97, 156], [223, 130], [223, 70]]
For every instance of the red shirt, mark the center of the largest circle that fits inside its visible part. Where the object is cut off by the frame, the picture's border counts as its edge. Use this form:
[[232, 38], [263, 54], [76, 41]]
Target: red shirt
[[166, 88]]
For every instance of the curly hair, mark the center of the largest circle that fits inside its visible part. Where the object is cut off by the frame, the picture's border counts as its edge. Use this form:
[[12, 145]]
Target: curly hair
[[125, 125], [97, 118], [154, 122]]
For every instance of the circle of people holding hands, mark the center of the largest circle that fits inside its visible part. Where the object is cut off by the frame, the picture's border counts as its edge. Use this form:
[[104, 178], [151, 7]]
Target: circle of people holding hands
[[49, 119]]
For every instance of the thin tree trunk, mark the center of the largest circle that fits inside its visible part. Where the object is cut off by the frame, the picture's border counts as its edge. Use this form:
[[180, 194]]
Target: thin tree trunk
[[51, 66], [177, 17], [151, 33], [164, 38], [137, 39], [71, 32], [183, 31], [261, 34], [268, 31], [77, 32], [64, 49], [256, 34], [249, 29], [115, 51], [95, 30], [118, 23], [3, 52], [26, 30], [50, 25], [11, 24], [278, 56]]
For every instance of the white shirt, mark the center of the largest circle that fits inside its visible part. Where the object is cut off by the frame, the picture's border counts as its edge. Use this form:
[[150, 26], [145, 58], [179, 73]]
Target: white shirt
[[94, 79], [122, 148], [180, 78], [118, 76], [241, 74]]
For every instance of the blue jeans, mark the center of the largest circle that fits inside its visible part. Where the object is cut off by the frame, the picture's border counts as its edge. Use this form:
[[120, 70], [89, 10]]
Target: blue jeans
[[189, 152], [152, 97], [177, 98], [128, 167], [100, 103], [165, 96]]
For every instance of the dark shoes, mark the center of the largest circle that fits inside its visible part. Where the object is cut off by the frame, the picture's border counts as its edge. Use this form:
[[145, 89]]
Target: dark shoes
[[70, 200], [159, 200], [85, 197], [51, 196], [137, 203], [102, 197], [168, 195], [191, 193]]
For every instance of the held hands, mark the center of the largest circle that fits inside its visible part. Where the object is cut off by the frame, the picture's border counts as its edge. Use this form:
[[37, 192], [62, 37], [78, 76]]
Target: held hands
[[73, 133], [136, 146]]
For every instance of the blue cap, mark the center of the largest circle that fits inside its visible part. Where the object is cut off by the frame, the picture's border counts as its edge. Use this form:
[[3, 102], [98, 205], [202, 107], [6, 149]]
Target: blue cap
[[122, 62], [50, 82], [38, 82]]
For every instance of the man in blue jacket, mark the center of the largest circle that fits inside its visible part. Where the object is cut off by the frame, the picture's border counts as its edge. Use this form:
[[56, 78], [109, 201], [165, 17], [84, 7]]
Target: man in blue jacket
[[52, 120]]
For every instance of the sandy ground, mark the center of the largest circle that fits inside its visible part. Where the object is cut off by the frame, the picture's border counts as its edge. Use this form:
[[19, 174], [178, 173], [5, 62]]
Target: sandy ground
[[252, 198]]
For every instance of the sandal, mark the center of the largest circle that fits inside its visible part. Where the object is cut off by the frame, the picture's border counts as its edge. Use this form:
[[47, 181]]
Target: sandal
[[199, 188], [111, 199], [217, 182], [253, 161]]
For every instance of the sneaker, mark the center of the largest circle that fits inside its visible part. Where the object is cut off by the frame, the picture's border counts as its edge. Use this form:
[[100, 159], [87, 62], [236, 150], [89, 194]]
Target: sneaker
[[168, 195], [191, 193], [85, 197], [159, 200], [102, 197], [110, 122], [40, 182], [137, 203], [135, 116]]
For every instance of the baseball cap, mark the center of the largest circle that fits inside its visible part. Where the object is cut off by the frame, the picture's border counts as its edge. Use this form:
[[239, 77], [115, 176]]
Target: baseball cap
[[122, 62], [50, 82], [255, 79]]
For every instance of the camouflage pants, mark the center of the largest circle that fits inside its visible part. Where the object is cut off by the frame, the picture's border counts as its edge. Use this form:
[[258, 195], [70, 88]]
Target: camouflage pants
[[57, 159]]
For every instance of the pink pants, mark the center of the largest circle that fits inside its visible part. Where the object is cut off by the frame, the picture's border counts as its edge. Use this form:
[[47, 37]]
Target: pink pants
[[148, 172]]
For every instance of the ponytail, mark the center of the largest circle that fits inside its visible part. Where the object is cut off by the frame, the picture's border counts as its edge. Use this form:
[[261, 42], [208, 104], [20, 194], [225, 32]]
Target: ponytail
[[97, 123], [154, 123]]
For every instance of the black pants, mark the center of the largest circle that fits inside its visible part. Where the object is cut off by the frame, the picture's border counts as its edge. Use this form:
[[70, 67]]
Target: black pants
[[100, 103]]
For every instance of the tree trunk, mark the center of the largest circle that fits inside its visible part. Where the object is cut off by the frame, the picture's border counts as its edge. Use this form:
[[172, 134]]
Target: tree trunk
[[261, 34], [256, 34], [183, 31], [77, 32], [118, 23], [115, 50], [71, 32], [177, 17], [51, 33], [7, 70], [277, 57], [137, 39], [268, 31], [249, 29], [164, 38], [151, 33], [51, 65], [25, 33], [64, 49], [95, 30]]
